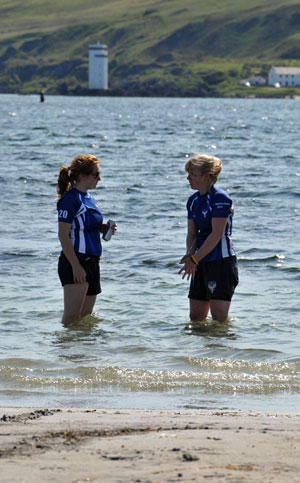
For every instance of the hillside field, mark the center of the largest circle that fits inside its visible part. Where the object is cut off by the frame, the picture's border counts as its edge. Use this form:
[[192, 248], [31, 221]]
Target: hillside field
[[156, 47]]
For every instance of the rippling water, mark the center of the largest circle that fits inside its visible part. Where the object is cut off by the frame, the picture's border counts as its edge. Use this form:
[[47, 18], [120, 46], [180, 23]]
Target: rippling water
[[136, 351]]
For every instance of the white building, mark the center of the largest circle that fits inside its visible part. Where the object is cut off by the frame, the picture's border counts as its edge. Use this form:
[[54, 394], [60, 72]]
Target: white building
[[257, 80], [245, 83], [285, 76], [98, 66]]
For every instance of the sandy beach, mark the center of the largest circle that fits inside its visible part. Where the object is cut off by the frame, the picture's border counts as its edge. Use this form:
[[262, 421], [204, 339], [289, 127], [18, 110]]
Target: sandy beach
[[78, 445]]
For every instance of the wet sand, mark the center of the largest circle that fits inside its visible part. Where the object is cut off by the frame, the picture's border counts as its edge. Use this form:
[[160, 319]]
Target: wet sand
[[97, 445]]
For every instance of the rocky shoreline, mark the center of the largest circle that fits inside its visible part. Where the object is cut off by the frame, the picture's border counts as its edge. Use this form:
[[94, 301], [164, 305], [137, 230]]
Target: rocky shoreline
[[152, 88]]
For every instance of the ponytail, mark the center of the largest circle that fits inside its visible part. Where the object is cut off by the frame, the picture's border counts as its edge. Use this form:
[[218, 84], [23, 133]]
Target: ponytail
[[64, 182]]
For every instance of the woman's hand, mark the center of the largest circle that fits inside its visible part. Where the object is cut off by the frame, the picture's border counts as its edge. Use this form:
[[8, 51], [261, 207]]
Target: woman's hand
[[189, 268], [114, 228], [104, 227], [79, 273], [184, 258]]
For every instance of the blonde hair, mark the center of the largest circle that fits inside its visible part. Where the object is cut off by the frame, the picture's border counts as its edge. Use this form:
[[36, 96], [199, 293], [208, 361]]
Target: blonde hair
[[204, 164], [81, 164]]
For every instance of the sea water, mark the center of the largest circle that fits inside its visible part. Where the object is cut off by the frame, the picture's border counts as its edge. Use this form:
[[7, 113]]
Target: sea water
[[137, 350]]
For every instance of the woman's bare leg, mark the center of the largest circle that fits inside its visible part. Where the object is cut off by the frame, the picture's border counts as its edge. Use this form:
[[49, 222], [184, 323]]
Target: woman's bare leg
[[219, 310], [74, 297], [198, 310], [88, 305]]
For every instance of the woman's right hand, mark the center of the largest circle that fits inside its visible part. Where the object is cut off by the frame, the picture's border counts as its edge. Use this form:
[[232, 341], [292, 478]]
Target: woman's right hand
[[184, 258], [189, 268], [79, 274]]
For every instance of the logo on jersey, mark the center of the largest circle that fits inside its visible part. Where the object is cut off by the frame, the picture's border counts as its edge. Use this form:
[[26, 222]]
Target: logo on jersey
[[222, 204], [212, 286], [204, 213]]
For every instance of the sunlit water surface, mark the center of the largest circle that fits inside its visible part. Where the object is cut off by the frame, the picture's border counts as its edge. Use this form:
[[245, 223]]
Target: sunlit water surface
[[136, 350]]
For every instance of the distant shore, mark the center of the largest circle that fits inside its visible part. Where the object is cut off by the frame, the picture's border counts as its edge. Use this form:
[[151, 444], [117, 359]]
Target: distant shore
[[155, 89], [172, 92], [142, 445]]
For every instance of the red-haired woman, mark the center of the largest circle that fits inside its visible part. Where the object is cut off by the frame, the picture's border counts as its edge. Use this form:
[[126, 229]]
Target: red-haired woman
[[80, 223]]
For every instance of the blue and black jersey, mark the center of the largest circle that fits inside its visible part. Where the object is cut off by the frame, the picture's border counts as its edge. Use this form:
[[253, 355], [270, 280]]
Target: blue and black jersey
[[81, 211], [201, 209]]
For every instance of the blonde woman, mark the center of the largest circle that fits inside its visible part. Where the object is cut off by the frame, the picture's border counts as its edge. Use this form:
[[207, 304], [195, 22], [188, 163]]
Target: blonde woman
[[80, 223], [210, 260]]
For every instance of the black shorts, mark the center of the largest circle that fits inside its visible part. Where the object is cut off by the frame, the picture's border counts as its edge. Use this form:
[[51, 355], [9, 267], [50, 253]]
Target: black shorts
[[90, 264], [215, 280]]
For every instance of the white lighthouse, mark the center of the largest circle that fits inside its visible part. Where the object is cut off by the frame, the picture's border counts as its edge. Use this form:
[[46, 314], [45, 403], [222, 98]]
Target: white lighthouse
[[98, 66]]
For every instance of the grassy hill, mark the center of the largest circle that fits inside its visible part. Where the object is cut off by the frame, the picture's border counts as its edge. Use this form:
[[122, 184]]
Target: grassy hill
[[197, 46]]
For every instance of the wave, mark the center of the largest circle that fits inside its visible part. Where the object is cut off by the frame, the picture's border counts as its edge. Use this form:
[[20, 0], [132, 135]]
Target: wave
[[214, 375], [20, 254], [267, 258]]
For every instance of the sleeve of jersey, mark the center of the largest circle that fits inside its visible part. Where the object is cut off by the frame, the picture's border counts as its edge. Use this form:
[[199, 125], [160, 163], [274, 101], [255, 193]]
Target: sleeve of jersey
[[221, 207], [189, 211], [67, 208]]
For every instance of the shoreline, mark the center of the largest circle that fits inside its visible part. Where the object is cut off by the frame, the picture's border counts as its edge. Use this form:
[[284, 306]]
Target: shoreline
[[123, 445], [112, 93]]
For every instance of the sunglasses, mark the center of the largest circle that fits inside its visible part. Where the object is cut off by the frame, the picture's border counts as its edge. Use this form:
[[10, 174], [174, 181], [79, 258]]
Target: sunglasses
[[96, 175]]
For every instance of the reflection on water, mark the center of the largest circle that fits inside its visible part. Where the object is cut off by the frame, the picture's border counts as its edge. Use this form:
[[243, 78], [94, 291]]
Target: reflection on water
[[76, 341], [210, 329], [86, 324]]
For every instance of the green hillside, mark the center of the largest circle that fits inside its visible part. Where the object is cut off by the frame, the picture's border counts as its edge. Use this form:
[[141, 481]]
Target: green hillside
[[194, 47]]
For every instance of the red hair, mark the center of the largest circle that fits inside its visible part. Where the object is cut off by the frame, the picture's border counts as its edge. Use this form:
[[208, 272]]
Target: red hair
[[81, 164]]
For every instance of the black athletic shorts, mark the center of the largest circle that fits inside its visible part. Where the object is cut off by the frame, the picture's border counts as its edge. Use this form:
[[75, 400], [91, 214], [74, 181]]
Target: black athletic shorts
[[90, 264], [215, 280]]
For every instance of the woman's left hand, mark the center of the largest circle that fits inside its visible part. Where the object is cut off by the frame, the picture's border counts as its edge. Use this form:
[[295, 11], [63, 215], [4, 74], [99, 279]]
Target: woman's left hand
[[189, 268], [104, 227]]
